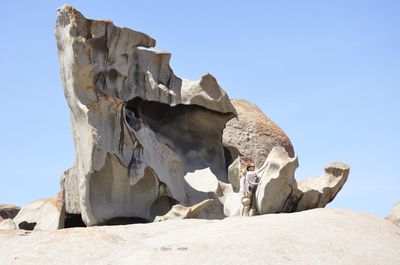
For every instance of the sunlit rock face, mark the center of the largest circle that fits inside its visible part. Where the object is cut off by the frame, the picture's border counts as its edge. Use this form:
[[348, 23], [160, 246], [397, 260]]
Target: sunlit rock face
[[146, 140], [279, 192], [253, 134], [138, 129]]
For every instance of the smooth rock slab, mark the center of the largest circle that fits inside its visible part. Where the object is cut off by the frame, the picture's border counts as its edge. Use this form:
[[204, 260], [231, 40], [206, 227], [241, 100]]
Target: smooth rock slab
[[320, 236]]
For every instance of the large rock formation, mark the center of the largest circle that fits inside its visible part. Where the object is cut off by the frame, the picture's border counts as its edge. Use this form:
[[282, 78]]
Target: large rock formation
[[138, 128], [320, 236], [253, 134], [147, 140]]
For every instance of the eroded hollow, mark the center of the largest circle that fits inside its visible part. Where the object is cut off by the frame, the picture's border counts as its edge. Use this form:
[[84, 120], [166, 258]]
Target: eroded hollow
[[162, 206], [73, 220], [193, 132], [27, 225], [126, 221]]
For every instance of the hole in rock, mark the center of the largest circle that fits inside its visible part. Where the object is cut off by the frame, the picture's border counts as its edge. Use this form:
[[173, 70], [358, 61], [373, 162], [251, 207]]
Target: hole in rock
[[162, 205], [192, 131], [112, 74], [231, 153], [27, 226], [126, 221], [73, 220]]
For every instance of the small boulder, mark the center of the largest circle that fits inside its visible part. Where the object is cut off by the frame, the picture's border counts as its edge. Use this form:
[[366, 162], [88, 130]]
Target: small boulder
[[253, 134], [8, 211], [44, 214], [182, 212], [394, 215]]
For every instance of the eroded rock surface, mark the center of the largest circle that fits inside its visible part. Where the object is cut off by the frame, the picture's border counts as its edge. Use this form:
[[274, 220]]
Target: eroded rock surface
[[253, 134], [318, 192], [147, 140], [138, 128], [278, 190]]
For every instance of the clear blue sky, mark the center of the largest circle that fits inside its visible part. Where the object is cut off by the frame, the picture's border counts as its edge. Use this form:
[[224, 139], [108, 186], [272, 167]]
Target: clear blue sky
[[328, 72]]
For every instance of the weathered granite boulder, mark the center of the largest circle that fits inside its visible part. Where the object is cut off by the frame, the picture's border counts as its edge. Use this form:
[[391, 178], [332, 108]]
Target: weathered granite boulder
[[138, 128], [147, 140], [44, 214], [8, 211], [7, 224], [279, 192], [394, 215], [253, 134], [318, 192]]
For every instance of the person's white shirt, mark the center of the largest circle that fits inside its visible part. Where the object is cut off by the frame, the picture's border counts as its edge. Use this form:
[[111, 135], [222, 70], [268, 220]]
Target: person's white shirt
[[251, 179]]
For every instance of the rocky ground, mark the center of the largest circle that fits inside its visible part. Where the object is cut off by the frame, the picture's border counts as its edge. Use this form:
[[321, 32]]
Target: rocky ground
[[319, 236]]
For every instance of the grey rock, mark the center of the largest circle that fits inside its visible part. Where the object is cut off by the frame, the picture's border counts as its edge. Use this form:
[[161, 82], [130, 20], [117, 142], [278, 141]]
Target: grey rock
[[318, 192], [278, 190], [69, 186], [138, 128]]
